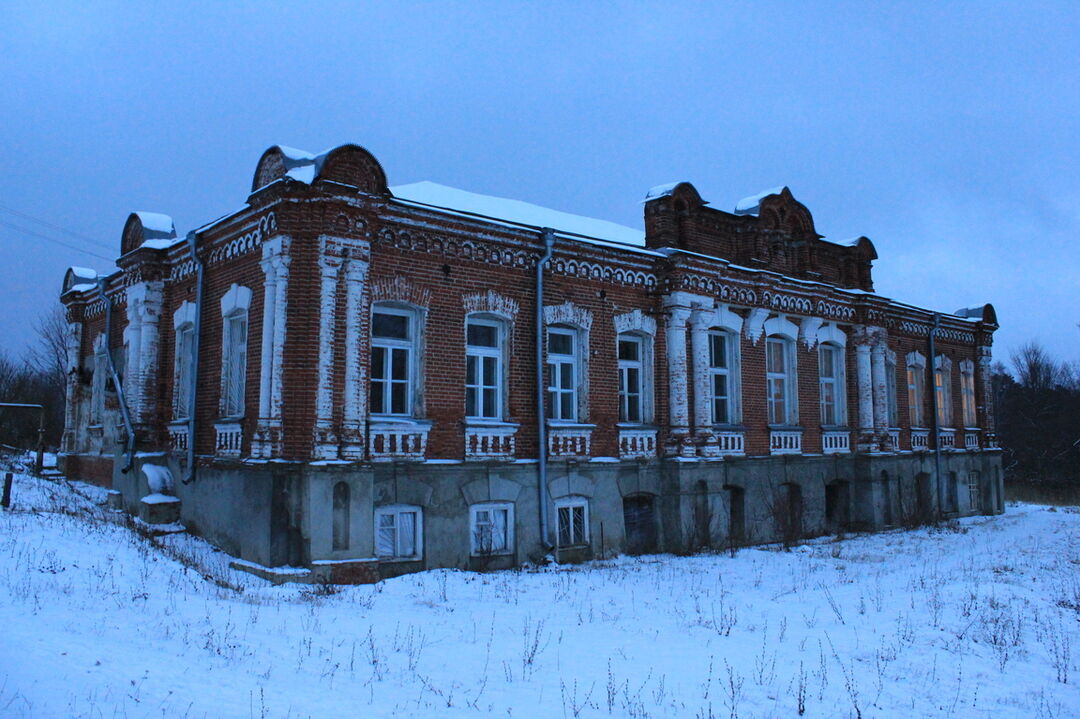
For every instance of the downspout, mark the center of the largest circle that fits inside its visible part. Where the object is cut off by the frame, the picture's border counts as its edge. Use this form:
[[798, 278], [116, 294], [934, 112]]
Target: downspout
[[934, 415], [200, 268], [548, 235], [116, 381]]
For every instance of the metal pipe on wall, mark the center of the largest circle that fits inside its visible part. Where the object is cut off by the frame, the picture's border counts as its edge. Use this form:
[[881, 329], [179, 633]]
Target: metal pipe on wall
[[200, 268], [548, 236], [116, 381]]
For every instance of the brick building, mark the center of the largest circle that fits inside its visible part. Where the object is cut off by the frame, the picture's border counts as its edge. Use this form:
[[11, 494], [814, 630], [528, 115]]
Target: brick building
[[344, 376]]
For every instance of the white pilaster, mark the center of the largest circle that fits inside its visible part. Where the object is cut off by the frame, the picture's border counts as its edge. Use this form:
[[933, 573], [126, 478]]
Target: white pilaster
[[325, 440], [266, 442], [865, 392], [355, 400], [880, 392], [678, 389]]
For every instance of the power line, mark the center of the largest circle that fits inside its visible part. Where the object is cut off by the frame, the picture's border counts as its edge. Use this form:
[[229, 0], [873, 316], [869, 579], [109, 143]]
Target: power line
[[53, 239], [73, 233]]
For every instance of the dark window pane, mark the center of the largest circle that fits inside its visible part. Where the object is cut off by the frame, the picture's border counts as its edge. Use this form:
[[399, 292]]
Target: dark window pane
[[720, 385], [400, 364], [560, 344], [470, 370], [378, 362], [629, 350], [491, 366], [470, 402], [633, 408], [398, 397], [720, 415], [490, 403], [378, 397], [717, 351], [482, 335], [566, 375], [567, 406], [392, 326], [633, 380]]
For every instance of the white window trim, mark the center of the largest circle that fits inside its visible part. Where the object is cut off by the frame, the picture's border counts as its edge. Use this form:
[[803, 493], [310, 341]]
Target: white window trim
[[576, 363], [235, 304], [500, 353], [413, 344], [790, 376], [418, 540], [839, 381], [183, 321], [734, 389], [945, 413], [570, 503], [509, 529], [916, 370], [643, 364]]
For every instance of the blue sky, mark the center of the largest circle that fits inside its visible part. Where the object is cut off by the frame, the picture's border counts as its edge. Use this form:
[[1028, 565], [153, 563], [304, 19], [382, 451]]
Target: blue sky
[[948, 133]]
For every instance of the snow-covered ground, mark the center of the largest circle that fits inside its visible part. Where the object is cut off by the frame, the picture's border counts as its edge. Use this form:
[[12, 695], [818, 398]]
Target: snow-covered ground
[[979, 619]]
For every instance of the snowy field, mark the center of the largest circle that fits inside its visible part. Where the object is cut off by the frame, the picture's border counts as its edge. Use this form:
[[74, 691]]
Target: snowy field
[[978, 619]]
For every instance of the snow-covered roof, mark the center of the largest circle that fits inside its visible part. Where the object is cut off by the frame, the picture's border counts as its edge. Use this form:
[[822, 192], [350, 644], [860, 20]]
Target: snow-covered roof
[[156, 225], [84, 273], [300, 164], [661, 190], [516, 211], [751, 205]]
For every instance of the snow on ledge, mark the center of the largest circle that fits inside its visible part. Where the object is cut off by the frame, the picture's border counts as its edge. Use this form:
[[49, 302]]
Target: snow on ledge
[[751, 205], [661, 190]]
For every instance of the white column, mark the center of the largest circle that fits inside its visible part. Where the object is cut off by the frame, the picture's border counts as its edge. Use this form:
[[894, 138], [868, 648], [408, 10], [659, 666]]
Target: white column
[[325, 441], [880, 393], [266, 441], [699, 356], [278, 355], [678, 390], [864, 390], [355, 401], [149, 345], [266, 363]]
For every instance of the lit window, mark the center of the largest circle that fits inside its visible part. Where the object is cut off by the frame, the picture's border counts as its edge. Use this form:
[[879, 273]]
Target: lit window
[[779, 378], [399, 532], [483, 369], [967, 392], [185, 346], [392, 356], [491, 528], [721, 347], [573, 521], [563, 364], [831, 382], [631, 378], [234, 364]]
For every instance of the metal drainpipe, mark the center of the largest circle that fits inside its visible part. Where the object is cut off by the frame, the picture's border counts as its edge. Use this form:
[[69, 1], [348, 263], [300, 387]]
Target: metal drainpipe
[[192, 240], [548, 236], [116, 381], [934, 416]]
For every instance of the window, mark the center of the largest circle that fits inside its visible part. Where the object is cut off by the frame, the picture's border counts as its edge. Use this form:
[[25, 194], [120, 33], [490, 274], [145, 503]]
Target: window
[[721, 346], [234, 364], [393, 336], [491, 528], [916, 368], [973, 490], [890, 391], [573, 521], [942, 390], [563, 373], [779, 377], [967, 392], [831, 383], [483, 369], [399, 532], [631, 378], [185, 344]]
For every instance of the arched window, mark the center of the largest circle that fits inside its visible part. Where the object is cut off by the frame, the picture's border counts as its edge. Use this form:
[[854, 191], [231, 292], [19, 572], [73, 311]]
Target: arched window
[[967, 392], [564, 372], [943, 389], [395, 334], [234, 340], [916, 369], [341, 511]]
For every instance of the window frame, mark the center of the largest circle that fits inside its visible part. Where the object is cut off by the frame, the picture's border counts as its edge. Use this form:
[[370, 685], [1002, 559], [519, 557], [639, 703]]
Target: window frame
[[411, 346], [555, 376], [570, 504], [508, 529], [968, 407], [943, 390], [479, 353], [837, 381], [916, 388], [624, 369], [395, 511], [974, 494], [890, 392], [234, 358], [728, 371], [183, 364], [787, 379]]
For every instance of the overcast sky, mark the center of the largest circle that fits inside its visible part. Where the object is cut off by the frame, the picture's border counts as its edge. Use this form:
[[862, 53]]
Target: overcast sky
[[947, 133]]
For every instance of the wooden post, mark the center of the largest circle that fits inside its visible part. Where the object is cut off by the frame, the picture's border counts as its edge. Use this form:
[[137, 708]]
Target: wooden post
[[5, 502]]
